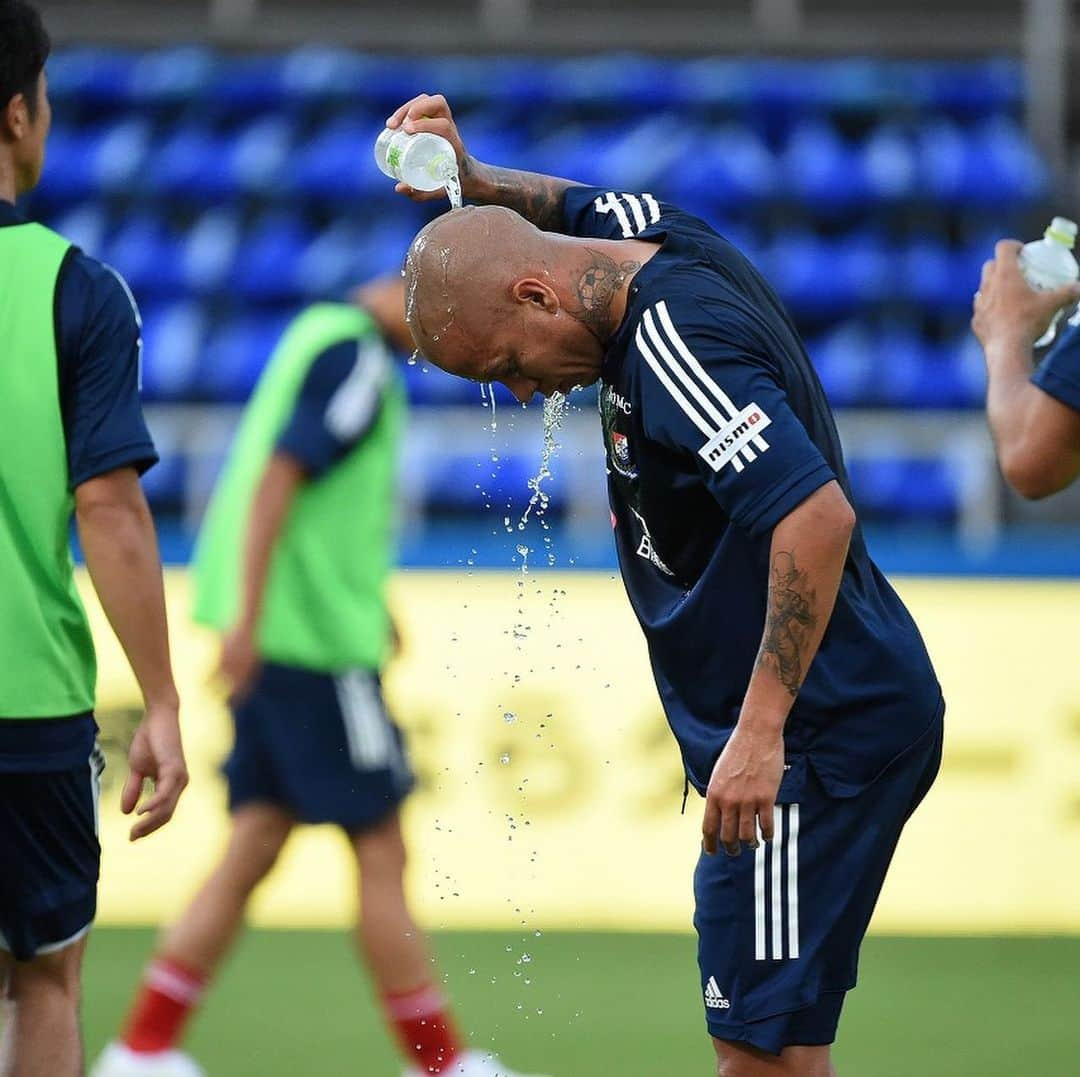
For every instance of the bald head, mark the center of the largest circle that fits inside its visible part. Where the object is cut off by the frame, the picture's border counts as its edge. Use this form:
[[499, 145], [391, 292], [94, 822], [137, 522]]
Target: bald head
[[459, 275]]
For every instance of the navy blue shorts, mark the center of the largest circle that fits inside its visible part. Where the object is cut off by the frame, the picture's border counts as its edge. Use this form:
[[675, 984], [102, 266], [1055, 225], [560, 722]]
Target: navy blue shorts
[[50, 857], [321, 746], [779, 928]]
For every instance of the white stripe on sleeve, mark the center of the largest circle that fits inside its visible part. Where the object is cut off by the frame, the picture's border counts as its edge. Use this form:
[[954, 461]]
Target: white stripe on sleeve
[[691, 361], [610, 203], [634, 203], [676, 394], [707, 406], [654, 207]]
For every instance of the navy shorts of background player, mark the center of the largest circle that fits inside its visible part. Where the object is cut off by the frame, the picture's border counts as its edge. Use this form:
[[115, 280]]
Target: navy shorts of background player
[[716, 428], [50, 768], [320, 745]]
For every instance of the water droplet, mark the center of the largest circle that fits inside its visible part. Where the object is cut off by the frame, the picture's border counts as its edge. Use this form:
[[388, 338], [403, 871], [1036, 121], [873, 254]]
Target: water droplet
[[509, 717], [505, 759]]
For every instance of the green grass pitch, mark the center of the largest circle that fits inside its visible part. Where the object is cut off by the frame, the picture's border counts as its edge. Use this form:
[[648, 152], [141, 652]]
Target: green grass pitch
[[591, 1005]]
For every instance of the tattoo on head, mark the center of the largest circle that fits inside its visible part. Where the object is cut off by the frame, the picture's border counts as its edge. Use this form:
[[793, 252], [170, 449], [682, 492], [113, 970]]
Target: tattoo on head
[[789, 622], [596, 288]]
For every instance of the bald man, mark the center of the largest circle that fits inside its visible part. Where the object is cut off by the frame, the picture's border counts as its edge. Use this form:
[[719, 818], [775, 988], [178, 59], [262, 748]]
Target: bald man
[[796, 683]]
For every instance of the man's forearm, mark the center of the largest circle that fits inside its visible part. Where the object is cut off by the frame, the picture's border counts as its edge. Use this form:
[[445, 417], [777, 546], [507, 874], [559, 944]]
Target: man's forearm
[[120, 547], [1009, 364], [269, 509], [536, 197], [806, 563]]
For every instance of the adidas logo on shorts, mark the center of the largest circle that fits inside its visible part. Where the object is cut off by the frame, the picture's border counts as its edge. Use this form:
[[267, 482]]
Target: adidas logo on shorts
[[714, 997]]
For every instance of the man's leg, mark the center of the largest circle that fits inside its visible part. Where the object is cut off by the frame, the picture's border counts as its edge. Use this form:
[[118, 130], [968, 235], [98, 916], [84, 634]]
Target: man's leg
[[191, 950], [741, 1060], [41, 1015], [397, 954]]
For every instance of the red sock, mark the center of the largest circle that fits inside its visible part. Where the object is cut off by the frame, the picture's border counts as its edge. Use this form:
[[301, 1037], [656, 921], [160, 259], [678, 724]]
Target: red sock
[[424, 1028], [168, 994]]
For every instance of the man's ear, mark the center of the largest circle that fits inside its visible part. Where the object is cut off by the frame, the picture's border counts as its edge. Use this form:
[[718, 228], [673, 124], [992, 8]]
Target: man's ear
[[15, 119], [531, 290]]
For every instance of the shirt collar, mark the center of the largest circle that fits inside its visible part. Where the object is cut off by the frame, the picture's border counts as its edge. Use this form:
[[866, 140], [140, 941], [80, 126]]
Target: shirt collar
[[9, 215]]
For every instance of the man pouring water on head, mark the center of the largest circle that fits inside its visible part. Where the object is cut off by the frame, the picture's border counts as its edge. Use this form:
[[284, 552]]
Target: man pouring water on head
[[796, 683]]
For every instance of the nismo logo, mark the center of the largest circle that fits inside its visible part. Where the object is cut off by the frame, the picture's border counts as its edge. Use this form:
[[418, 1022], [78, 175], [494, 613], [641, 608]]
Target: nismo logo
[[722, 447]]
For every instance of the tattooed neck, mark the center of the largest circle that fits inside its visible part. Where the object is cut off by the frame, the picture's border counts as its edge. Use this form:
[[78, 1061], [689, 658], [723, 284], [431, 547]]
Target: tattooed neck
[[789, 621], [595, 289]]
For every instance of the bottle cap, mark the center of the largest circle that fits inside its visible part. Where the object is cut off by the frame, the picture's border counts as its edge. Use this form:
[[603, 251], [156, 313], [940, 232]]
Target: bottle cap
[[1063, 231]]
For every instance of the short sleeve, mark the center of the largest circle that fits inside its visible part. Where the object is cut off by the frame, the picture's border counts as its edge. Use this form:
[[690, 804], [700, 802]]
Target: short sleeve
[[337, 405], [1059, 373], [594, 211], [99, 338], [716, 398]]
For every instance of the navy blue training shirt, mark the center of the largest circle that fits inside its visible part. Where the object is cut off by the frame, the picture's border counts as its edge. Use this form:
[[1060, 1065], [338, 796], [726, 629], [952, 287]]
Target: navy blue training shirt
[[1059, 373], [716, 428], [99, 347], [337, 405]]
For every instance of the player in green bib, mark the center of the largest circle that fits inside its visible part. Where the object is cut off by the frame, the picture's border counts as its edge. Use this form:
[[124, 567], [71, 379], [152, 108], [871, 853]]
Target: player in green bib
[[72, 444], [291, 567]]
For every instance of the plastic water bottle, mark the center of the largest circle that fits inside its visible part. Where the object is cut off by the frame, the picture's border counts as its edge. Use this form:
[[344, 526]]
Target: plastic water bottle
[[424, 161], [1048, 263]]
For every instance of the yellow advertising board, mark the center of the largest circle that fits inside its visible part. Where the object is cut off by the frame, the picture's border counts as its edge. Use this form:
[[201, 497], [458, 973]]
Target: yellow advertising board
[[550, 787]]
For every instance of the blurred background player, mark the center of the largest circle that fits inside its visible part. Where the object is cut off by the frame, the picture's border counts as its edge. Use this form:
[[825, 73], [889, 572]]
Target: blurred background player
[[1034, 413], [73, 441], [795, 680], [292, 565]]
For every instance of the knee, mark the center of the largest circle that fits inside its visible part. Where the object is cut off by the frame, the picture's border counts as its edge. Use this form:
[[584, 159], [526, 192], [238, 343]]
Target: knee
[[380, 853], [54, 975]]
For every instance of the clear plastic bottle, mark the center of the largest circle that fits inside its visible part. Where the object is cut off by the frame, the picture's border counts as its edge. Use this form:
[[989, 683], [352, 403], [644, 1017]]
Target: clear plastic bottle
[[1049, 263], [424, 161]]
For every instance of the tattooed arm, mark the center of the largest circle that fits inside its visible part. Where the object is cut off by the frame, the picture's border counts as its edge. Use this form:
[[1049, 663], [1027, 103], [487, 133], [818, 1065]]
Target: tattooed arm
[[537, 198], [809, 548]]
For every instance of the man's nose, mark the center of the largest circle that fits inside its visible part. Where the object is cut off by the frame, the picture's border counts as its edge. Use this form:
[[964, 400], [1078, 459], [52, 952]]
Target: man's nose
[[522, 388]]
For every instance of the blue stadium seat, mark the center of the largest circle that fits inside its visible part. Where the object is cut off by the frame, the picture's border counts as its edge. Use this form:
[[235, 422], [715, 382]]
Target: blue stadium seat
[[173, 339], [846, 361], [615, 81], [191, 165], [886, 160], [86, 226], [174, 76], [165, 483], [993, 166], [337, 164], [890, 487], [266, 265], [324, 75], [209, 251], [728, 167], [327, 266], [92, 78], [973, 89], [147, 252], [937, 277], [248, 84], [830, 279], [714, 85], [477, 484], [259, 155], [236, 354], [822, 170]]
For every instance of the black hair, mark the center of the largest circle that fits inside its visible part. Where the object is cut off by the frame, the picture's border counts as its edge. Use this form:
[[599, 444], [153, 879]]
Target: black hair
[[24, 48]]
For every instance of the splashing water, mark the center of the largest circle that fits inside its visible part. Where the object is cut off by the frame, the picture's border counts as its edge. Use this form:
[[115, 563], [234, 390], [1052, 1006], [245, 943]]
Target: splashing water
[[554, 412], [453, 188]]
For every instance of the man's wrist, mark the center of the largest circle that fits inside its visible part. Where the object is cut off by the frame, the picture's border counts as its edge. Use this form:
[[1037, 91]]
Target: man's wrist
[[768, 723], [1012, 349], [163, 699]]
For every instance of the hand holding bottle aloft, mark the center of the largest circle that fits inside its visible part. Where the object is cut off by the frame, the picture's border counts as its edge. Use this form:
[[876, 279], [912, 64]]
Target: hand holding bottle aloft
[[1049, 264], [422, 165], [1008, 311]]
